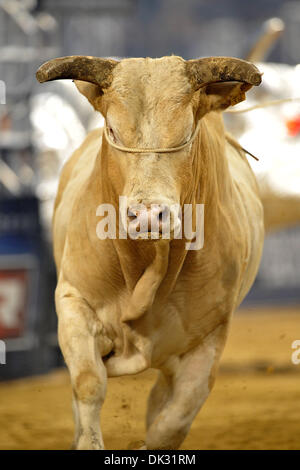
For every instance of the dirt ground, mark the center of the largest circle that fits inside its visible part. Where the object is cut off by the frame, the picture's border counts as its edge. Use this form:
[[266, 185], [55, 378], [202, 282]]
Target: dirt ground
[[255, 403]]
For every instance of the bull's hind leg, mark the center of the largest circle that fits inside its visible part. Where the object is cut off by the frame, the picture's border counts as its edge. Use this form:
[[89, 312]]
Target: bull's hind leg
[[77, 333], [180, 392]]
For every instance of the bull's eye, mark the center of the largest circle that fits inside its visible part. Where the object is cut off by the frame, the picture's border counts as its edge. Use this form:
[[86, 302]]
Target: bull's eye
[[111, 134]]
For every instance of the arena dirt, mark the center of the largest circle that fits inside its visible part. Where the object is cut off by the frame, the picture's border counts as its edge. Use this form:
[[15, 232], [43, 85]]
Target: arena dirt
[[255, 403]]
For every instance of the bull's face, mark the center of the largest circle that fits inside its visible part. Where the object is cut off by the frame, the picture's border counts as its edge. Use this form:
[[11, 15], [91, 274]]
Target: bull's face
[[149, 106], [153, 104]]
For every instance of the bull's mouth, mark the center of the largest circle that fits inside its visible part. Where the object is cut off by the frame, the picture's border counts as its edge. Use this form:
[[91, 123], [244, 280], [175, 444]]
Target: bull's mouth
[[152, 222], [149, 235]]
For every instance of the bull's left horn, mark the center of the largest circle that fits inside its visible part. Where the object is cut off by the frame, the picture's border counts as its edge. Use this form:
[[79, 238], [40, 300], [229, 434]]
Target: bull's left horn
[[221, 69], [90, 69]]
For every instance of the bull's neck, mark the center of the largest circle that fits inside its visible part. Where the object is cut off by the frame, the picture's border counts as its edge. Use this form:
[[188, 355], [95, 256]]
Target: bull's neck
[[213, 180]]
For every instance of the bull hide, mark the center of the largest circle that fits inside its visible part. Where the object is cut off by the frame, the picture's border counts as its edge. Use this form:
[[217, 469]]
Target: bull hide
[[127, 304]]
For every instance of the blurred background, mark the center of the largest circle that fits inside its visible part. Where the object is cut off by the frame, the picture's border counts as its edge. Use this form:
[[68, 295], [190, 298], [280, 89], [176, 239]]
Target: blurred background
[[40, 126]]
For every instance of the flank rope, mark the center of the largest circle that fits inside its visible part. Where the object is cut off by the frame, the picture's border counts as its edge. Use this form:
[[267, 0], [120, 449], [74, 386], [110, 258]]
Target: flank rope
[[262, 105], [252, 108]]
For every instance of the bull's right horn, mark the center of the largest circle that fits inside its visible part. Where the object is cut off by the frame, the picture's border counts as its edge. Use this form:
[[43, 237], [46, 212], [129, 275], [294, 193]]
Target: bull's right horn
[[86, 68]]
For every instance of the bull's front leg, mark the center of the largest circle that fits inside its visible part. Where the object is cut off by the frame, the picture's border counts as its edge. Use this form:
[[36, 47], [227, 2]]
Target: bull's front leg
[[181, 390], [78, 334]]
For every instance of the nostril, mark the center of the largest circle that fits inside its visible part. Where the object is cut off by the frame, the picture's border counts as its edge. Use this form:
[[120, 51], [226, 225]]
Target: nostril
[[163, 213], [160, 218], [131, 215]]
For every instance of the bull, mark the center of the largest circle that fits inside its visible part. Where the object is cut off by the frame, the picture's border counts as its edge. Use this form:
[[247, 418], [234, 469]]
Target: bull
[[125, 304]]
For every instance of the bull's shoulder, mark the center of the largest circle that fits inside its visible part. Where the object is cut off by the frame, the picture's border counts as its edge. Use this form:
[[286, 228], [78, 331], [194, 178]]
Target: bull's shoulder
[[73, 165], [74, 174]]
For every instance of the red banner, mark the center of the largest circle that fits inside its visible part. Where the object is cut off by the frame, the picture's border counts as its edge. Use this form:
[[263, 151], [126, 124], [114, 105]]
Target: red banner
[[13, 302]]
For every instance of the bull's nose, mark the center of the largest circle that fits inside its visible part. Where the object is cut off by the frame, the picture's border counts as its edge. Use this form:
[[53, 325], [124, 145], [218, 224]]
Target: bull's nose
[[150, 218]]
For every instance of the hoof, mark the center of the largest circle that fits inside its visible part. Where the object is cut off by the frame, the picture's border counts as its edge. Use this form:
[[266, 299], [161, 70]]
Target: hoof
[[137, 445], [89, 441]]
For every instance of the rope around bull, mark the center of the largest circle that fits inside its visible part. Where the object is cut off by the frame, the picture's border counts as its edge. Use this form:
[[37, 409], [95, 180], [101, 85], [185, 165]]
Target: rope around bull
[[168, 149]]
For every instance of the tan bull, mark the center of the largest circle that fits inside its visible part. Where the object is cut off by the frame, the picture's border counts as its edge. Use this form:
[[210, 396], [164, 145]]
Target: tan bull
[[125, 305]]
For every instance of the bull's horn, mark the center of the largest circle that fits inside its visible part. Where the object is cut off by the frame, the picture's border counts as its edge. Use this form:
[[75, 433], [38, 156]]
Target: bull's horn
[[221, 69], [77, 67]]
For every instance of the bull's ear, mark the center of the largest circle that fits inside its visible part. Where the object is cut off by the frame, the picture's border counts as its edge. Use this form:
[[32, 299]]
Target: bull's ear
[[91, 91], [220, 95], [222, 81]]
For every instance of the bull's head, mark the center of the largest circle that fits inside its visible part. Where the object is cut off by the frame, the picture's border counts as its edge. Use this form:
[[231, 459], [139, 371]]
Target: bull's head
[[154, 104]]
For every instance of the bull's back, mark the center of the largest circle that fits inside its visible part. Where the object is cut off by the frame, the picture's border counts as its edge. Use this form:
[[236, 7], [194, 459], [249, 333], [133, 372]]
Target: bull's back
[[74, 174]]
